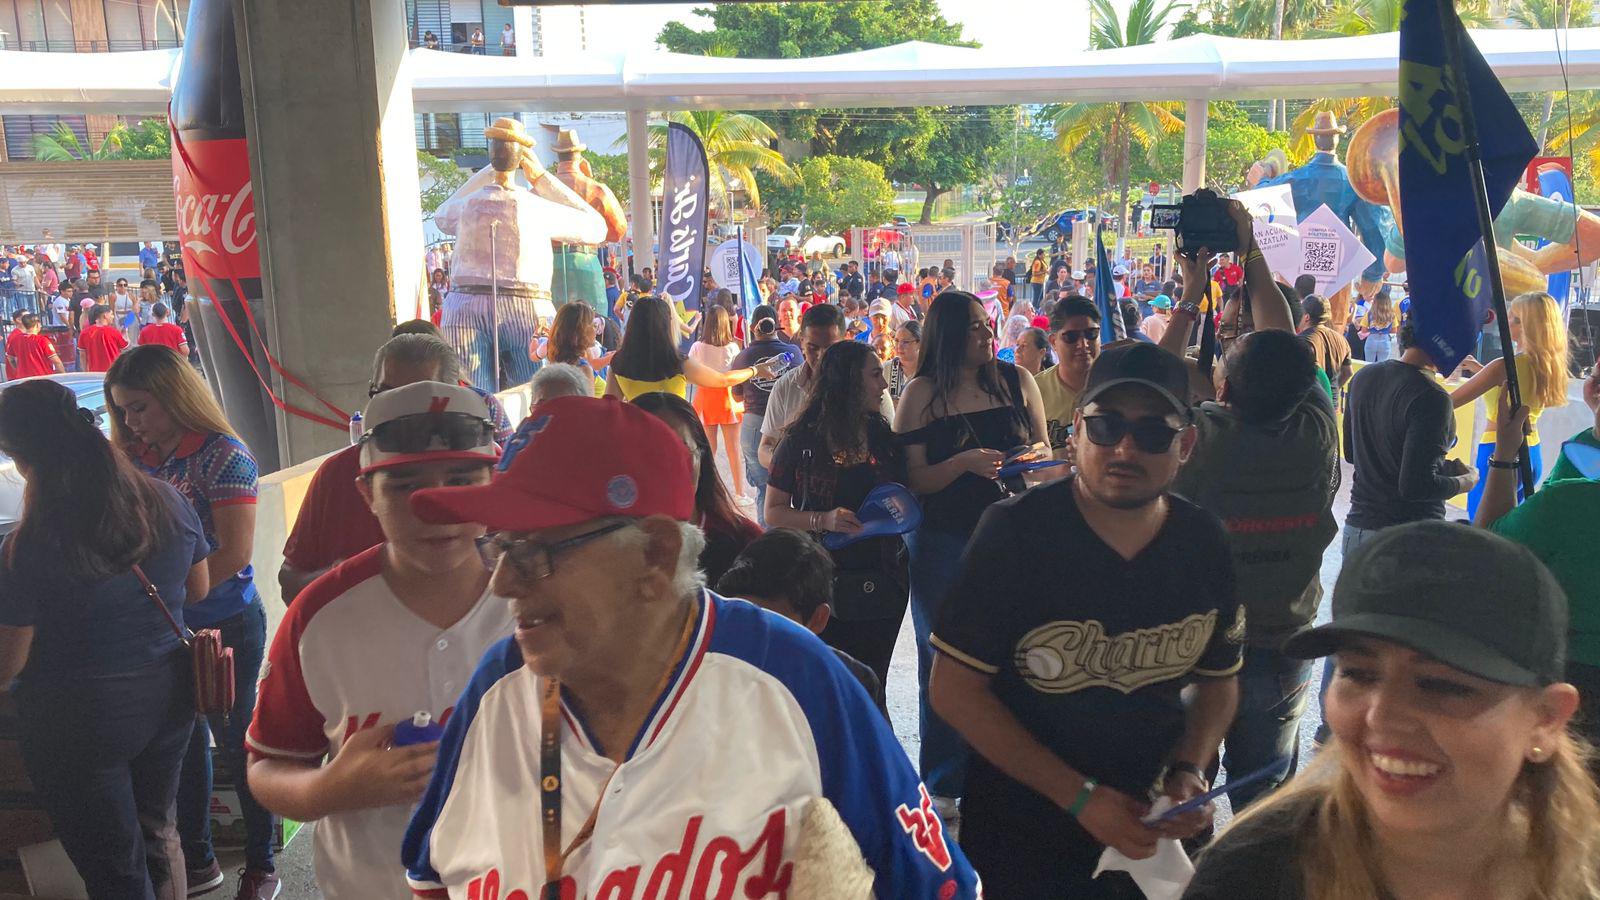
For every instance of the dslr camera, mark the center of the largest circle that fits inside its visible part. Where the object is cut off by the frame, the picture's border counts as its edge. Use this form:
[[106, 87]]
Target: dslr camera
[[1201, 220]]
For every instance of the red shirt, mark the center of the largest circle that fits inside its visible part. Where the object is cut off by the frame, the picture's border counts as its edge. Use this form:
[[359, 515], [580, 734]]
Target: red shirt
[[164, 333], [11, 349], [33, 353], [100, 345], [334, 522]]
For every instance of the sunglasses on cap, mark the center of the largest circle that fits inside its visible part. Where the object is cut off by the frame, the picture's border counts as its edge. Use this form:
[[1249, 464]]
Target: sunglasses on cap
[[1150, 435], [432, 432], [1073, 335]]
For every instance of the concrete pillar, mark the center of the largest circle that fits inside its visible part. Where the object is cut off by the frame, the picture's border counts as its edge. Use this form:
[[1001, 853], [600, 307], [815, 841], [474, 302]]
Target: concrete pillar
[[641, 224], [333, 158], [1195, 115]]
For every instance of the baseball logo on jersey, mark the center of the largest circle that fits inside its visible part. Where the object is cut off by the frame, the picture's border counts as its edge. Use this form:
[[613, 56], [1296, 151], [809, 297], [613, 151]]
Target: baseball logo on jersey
[[926, 829], [526, 432]]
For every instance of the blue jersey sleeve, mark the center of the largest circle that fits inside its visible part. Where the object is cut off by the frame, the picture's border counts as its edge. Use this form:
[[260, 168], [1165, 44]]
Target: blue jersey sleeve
[[865, 772], [415, 851]]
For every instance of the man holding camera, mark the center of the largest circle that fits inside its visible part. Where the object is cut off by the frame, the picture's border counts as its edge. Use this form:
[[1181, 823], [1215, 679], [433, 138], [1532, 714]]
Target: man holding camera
[[1265, 464]]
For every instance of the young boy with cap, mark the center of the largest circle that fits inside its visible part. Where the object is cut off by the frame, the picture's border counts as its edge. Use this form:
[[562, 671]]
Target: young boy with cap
[[390, 633]]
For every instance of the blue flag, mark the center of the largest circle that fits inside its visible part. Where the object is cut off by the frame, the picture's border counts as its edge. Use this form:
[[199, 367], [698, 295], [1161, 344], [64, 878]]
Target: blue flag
[[683, 217], [1445, 259], [1105, 293]]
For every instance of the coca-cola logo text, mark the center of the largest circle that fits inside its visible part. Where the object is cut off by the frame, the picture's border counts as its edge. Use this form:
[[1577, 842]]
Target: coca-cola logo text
[[716, 872], [216, 223]]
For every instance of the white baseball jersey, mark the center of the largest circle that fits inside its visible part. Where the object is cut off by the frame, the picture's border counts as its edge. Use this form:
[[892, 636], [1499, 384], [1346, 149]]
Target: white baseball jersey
[[758, 719], [350, 656]]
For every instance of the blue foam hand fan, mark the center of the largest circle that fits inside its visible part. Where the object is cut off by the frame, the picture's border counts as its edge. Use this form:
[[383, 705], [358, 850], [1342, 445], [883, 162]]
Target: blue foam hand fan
[[1018, 468], [1009, 355], [889, 509], [1584, 458]]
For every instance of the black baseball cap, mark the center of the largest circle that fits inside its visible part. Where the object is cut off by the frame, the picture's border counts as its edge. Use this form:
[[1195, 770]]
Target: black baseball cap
[[1141, 364], [1469, 598], [763, 314]]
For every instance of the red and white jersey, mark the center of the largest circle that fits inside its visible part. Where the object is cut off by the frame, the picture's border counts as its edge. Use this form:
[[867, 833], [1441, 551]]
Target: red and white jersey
[[350, 656]]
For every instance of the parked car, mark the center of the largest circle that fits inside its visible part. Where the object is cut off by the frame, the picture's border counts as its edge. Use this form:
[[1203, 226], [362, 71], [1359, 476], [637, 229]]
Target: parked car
[[786, 237], [91, 391], [1059, 224]]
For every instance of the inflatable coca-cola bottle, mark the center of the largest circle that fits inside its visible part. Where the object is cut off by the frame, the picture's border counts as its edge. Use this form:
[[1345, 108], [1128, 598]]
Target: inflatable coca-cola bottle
[[217, 225]]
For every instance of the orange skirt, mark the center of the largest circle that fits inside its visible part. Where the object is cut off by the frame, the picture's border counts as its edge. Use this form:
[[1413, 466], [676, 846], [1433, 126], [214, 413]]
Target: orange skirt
[[716, 406]]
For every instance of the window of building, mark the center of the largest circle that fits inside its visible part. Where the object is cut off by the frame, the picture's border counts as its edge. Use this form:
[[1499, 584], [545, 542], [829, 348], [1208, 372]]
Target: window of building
[[19, 132]]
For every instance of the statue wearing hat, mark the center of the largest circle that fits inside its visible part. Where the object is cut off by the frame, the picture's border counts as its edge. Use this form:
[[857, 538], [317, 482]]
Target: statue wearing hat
[[501, 275], [578, 274], [1323, 180]]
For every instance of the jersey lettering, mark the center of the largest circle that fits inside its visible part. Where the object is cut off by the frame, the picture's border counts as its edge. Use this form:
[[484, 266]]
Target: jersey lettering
[[926, 829], [718, 870]]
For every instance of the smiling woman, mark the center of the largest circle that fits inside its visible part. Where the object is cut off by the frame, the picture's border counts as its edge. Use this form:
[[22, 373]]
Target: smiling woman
[[1451, 771]]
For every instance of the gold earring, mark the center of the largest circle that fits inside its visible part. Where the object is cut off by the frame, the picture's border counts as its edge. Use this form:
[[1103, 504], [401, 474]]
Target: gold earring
[[1538, 754]]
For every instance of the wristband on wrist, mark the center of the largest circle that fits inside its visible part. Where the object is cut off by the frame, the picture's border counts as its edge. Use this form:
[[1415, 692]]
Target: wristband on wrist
[[1190, 309], [1504, 463], [1187, 768], [1082, 800]]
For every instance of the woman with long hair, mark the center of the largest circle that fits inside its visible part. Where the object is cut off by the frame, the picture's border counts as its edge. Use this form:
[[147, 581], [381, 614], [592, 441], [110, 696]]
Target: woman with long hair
[[960, 418], [1451, 770], [104, 703], [1379, 330], [573, 339], [648, 359], [1540, 339], [835, 453], [719, 412], [907, 345], [727, 532], [165, 419]]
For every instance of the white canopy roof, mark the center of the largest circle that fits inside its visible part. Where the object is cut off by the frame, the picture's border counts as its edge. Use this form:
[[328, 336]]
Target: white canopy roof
[[910, 74]]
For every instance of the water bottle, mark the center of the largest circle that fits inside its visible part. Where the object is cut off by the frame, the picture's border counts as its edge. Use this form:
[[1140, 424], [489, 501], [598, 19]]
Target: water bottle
[[355, 427], [420, 730]]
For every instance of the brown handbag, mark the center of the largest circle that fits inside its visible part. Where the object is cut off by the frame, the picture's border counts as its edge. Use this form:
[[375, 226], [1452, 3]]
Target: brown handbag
[[212, 663]]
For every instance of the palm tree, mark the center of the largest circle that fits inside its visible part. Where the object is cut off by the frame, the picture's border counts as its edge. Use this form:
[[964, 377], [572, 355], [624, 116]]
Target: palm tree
[[1348, 111], [1122, 124], [1353, 18], [1550, 14], [1583, 137], [62, 145], [737, 146]]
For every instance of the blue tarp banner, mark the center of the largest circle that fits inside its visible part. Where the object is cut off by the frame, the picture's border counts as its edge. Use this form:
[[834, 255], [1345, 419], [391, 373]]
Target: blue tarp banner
[[1105, 297], [1450, 290], [683, 226]]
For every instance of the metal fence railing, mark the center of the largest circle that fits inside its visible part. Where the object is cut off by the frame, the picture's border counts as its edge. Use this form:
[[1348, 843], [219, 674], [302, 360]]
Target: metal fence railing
[[72, 46]]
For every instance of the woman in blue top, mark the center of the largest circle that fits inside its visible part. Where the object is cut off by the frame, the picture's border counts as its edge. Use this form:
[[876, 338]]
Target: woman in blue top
[[165, 419], [103, 690]]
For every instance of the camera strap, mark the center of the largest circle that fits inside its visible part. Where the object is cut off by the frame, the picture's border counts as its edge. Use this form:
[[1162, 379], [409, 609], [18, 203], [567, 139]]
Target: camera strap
[[1208, 334]]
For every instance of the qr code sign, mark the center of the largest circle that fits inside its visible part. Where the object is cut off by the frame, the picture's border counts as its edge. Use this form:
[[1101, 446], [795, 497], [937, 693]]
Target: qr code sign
[[1320, 257]]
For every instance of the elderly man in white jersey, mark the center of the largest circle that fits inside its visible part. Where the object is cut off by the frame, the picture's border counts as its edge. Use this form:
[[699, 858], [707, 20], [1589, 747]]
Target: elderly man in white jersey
[[384, 637], [642, 736], [503, 234]]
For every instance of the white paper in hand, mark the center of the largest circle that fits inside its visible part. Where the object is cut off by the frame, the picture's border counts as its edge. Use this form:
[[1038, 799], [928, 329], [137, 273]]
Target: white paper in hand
[[1161, 877]]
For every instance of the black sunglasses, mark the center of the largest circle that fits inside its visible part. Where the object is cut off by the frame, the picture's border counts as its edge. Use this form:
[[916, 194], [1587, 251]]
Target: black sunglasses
[[1088, 335], [1150, 435], [432, 431]]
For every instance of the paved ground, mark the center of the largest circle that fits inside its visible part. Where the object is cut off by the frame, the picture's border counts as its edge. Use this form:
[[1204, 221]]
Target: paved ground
[[295, 862]]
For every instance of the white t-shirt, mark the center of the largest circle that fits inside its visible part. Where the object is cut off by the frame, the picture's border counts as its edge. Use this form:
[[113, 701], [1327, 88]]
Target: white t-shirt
[[24, 278], [788, 398], [899, 315], [350, 656], [61, 309], [719, 358]]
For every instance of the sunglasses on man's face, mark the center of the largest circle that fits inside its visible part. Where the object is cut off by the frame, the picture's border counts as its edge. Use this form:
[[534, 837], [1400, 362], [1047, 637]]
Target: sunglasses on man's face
[[1073, 335], [1151, 434]]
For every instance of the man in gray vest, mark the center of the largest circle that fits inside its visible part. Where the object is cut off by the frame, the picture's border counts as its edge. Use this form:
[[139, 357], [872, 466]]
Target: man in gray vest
[[1266, 464]]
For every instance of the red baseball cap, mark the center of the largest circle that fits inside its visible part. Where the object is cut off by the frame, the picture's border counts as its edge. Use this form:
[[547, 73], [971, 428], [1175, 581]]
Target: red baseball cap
[[575, 459], [904, 288]]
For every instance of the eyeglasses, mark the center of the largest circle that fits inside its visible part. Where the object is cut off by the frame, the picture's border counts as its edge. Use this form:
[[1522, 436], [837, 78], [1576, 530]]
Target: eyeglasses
[[1150, 435], [1087, 335], [432, 431], [532, 559]]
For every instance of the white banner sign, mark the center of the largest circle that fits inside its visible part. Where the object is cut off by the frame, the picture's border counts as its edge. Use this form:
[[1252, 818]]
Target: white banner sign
[[724, 263], [1330, 252], [1277, 234]]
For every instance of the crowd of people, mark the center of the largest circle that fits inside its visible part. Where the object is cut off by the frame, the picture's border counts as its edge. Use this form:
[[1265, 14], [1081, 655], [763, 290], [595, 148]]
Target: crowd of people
[[573, 659]]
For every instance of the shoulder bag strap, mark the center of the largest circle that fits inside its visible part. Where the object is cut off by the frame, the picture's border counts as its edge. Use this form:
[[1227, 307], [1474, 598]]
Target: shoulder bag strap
[[155, 597]]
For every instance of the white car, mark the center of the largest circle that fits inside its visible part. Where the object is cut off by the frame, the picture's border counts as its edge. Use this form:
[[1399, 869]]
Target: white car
[[91, 391], [785, 237]]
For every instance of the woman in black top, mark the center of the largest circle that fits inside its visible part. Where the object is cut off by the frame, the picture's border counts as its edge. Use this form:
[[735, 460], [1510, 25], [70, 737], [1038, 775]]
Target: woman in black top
[[962, 416], [835, 453], [104, 703]]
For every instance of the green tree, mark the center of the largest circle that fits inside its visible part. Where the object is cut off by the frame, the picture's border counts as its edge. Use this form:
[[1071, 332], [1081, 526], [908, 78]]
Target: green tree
[[737, 146], [611, 170], [149, 139], [440, 178], [62, 145], [1124, 125], [1233, 142], [1549, 14], [835, 193], [924, 145], [1350, 18]]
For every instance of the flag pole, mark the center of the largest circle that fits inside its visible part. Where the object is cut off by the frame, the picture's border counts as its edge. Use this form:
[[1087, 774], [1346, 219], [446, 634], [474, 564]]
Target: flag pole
[[1453, 31]]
